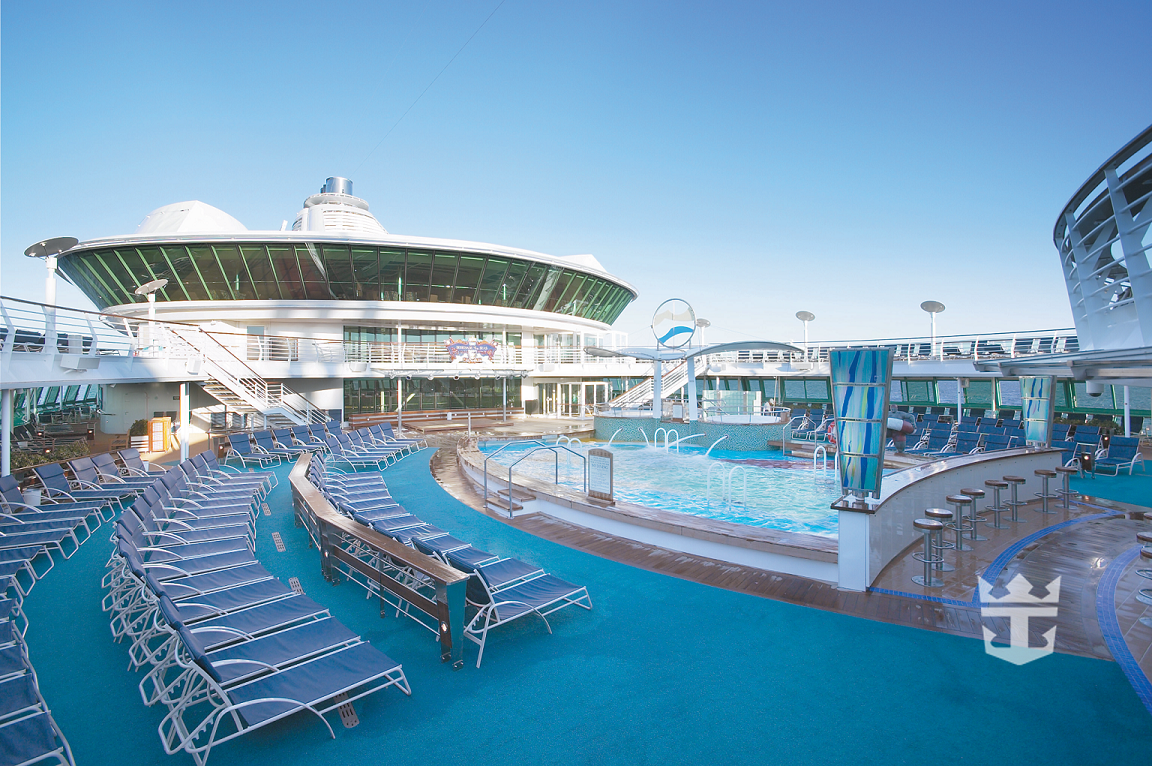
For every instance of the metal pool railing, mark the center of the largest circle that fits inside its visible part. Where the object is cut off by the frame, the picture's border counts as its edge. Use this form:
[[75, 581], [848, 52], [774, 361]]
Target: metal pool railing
[[541, 447]]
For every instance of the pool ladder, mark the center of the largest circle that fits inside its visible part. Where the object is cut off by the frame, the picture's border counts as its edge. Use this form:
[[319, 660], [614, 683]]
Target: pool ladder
[[727, 485]]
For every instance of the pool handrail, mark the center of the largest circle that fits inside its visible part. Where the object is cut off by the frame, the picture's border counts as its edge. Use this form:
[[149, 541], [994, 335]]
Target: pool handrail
[[554, 448]]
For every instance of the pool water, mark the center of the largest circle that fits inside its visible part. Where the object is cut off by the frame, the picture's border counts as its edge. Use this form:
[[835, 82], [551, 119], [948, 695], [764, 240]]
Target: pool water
[[782, 492]]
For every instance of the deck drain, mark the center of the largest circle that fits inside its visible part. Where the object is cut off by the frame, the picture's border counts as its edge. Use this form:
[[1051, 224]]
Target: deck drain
[[347, 712], [279, 541], [294, 584], [267, 510]]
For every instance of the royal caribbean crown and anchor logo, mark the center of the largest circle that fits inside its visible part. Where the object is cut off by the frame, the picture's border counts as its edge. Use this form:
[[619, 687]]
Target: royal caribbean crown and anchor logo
[[1019, 606]]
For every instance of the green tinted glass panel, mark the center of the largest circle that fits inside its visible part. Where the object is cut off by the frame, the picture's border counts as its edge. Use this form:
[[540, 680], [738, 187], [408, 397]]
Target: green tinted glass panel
[[335, 271]]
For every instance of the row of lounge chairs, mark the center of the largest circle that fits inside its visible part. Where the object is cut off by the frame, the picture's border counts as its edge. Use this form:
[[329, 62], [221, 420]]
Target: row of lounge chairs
[[376, 445], [32, 539], [227, 648], [499, 591]]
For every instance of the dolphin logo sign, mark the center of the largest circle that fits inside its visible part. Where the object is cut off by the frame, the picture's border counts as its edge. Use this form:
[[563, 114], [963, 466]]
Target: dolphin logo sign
[[1019, 605]]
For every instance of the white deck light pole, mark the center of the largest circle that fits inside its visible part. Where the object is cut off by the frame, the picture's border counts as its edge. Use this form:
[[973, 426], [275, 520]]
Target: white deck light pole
[[48, 250], [805, 317], [6, 409], [185, 424], [933, 308], [1127, 414]]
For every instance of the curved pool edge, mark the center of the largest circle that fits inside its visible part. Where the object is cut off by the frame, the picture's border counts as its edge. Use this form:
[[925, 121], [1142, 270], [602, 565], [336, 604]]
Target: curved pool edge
[[811, 556]]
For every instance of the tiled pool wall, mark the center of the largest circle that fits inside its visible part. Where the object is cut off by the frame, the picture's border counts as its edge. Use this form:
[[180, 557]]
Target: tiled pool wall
[[742, 437]]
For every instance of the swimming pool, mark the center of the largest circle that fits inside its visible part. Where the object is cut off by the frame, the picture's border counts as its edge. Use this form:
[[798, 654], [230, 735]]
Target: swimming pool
[[782, 492]]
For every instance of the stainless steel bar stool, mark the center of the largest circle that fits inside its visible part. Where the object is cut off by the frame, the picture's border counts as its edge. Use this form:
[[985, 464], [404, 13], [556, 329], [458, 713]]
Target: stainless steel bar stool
[[943, 515], [930, 527], [1014, 482], [975, 494], [958, 502], [996, 508], [1066, 472], [1146, 554], [1045, 474]]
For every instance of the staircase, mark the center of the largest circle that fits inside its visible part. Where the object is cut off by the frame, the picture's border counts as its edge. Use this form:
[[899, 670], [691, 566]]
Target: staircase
[[672, 381], [237, 386]]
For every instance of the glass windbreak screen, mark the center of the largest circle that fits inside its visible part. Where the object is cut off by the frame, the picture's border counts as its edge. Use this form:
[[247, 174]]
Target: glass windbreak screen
[[323, 271]]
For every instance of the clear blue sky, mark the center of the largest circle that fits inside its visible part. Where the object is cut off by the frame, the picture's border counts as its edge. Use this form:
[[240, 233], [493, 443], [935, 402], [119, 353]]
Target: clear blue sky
[[755, 159]]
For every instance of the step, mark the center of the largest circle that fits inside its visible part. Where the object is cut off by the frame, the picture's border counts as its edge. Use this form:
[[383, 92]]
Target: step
[[517, 494], [500, 503]]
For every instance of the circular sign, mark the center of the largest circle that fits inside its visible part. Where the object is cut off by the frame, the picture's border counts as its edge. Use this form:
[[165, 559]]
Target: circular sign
[[674, 323]]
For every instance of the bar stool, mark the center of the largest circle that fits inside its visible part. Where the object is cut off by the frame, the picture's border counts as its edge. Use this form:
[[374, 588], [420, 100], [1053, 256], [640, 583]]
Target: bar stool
[[943, 515], [1146, 554], [930, 527], [996, 485], [1015, 482], [975, 494], [1045, 474], [1066, 472], [958, 502]]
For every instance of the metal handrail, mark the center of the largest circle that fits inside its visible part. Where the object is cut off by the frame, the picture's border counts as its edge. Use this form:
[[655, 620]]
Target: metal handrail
[[554, 448]]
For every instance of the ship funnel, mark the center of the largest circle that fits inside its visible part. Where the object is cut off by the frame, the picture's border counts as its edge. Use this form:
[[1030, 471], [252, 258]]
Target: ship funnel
[[337, 185]]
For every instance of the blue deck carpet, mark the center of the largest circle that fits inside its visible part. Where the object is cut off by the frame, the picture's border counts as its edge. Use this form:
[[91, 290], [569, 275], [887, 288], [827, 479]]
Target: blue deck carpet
[[663, 671]]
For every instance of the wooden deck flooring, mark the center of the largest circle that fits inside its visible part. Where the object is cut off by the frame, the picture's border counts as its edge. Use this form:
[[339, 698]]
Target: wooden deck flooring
[[1078, 553]]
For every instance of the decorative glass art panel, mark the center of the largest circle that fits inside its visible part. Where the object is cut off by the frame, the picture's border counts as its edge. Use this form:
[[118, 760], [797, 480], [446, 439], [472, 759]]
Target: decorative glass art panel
[[1037, 408], [861, 379]]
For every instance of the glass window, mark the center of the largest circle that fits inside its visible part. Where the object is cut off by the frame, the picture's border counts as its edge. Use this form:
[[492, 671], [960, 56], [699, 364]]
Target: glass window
[[417, 277], [443, 278], [366, 272], [322, 271], [312, 273], [467, 278], [492, 282], [337, 263], [264, 280]]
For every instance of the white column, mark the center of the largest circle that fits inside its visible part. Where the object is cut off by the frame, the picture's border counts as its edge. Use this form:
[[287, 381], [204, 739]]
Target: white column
[[185, 429], [6, 410], [852, 563], [505, 394], [1127, 414], [50, 345], [959, 399], [657, 393], [399, 403], [691, 387]]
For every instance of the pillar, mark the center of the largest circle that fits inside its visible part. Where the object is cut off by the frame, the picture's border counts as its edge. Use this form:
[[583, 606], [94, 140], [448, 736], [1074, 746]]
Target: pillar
[[6, 411], [657, 394], [185, 425], [691, 388]]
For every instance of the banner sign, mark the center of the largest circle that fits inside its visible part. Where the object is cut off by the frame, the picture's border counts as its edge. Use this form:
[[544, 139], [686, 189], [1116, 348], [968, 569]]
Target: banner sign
[[471, 351]]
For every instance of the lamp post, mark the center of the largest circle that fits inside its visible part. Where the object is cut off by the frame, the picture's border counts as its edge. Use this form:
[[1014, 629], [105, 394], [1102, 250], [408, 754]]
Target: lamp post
[[701, 324], [148, 290], [805, 317], [933, 308], [48, 249]]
